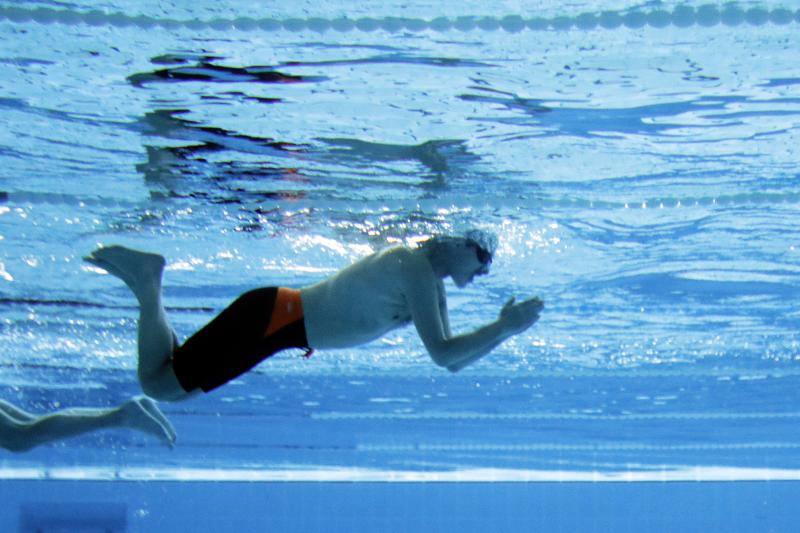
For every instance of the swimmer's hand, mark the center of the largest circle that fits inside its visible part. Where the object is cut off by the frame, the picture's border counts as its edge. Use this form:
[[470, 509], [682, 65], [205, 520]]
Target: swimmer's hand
[[517, 317]]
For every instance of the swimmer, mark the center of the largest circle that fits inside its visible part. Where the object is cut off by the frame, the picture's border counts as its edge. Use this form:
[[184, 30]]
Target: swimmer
[[377, 294], [21, 431]]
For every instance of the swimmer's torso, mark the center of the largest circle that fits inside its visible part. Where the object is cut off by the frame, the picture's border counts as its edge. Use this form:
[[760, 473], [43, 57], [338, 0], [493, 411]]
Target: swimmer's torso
[[359, 303]]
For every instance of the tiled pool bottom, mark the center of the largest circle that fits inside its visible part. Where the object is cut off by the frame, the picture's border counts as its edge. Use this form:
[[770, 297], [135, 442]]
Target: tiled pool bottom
[[78, 506]]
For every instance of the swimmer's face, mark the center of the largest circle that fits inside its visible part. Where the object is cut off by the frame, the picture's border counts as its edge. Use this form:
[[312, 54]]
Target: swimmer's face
[[484, 258], [475, 261]]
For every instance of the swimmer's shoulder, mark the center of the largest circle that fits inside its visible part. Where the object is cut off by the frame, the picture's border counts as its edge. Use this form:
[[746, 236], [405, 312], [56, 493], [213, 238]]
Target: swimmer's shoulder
[[402, 255], [412, 262]]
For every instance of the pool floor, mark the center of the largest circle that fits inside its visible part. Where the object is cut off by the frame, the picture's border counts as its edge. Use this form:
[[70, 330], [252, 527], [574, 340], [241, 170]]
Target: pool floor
[[397, 506]]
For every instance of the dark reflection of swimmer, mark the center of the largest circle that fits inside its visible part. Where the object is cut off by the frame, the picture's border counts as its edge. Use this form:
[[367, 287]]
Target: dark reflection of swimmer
[[360, 303], [20, 431]]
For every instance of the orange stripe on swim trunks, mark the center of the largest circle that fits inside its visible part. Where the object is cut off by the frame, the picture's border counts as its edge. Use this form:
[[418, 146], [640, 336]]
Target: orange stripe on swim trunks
[[288, 308]]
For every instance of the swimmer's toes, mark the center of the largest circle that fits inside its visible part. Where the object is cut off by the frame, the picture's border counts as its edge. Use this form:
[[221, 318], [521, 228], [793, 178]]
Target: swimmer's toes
[[95, 261], [139, 270], [104, 265]]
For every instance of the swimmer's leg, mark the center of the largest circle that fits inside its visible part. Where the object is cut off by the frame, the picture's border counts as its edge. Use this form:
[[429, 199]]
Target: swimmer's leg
[[142, 272], [138, 413]]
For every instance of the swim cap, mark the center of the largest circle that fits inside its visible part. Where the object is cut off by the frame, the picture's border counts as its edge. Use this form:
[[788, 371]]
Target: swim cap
[[483, 238]]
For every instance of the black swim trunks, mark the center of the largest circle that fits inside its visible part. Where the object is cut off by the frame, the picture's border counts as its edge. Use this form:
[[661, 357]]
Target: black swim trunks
[[257, 325]]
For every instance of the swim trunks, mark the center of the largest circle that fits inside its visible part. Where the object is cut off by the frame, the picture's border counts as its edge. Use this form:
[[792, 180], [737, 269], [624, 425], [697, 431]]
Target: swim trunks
[[257, 325]]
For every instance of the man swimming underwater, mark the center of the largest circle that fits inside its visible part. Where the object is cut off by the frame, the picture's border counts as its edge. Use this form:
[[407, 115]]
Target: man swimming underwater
[[379, 293]]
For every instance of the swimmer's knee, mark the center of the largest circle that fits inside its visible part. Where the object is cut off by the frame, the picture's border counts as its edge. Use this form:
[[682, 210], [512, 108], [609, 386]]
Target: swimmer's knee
[[152, 390], [162, 385], [160, 393]]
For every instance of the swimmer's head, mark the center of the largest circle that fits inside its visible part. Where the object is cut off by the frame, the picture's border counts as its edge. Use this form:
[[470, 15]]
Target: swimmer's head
[[463, 256], [485, 244]]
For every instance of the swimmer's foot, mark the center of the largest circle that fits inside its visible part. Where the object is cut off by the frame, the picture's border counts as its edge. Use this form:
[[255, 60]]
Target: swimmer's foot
[[141, 271], [141, 413]]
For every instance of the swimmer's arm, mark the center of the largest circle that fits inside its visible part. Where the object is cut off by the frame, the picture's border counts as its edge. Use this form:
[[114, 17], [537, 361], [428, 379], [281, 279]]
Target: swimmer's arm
[[514, 318], [453, 353], [442, 295]]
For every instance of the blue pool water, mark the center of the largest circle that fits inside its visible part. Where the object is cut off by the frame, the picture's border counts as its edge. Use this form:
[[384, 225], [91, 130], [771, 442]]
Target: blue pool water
[[639, 166]]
